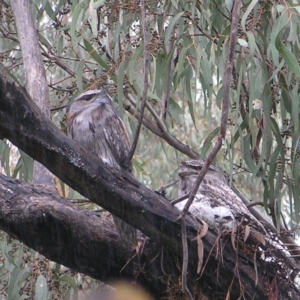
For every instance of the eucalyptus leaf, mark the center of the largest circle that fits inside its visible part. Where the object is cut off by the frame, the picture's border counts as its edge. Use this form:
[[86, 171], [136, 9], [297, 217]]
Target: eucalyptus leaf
[[92, 52], [41, 288], [79, 72]]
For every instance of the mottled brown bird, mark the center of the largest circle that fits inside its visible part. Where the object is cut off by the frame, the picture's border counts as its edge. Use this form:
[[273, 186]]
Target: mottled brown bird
[[215, 202], [94, 123]]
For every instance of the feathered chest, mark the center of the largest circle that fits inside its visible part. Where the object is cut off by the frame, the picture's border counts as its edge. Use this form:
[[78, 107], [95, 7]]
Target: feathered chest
[[98, 128]]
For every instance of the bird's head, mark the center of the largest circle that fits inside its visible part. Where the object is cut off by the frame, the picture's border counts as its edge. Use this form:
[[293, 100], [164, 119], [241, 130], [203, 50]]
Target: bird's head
[[191, 169], [91, 99]]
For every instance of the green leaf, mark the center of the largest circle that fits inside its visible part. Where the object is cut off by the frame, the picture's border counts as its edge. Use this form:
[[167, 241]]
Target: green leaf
[[132, 72], [13, 288], [295, 109], [171, 27], [41, 288], [175, 112], [50, 11], [79, 73], [174, 3], [59, 6], [22, 276], [5, 157], [247, 12], [251, 43], [247, 153], [76, 22], [71, 282], [93, 18], [15, 79], [219, 97], [208, 142], [207, 76], [296, 196], [288, 56], [120, 85], [279, 24], [93, 53], [277, 134], [60, 45]]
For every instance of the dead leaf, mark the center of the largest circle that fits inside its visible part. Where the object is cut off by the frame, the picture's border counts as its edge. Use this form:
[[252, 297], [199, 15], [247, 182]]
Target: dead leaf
[[247, 232], [233, 236]]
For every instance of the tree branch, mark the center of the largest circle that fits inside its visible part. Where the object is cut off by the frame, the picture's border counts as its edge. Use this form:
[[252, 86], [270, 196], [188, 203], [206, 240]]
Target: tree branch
[[35, 82], [161, 131], [73, 237]]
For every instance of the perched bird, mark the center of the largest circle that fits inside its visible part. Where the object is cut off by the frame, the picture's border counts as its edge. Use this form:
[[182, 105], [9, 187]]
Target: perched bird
[[219, 206], [215, 202], [93, 122]]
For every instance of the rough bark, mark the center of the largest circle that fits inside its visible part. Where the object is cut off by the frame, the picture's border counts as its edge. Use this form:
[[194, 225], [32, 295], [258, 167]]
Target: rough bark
[[77, 238], [227, 270], [35, 75]]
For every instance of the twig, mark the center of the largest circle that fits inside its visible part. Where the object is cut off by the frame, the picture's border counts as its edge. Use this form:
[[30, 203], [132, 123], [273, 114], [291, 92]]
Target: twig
[[146, 121], [256, 213], [217, 7], [53, 57], [177, 200], [185, 260], [163, 133], [160, 123], [254, 203], [145, 90], [169, 184]]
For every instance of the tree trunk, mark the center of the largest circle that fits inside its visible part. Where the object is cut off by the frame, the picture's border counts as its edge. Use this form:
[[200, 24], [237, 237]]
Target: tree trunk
[[35, 76]]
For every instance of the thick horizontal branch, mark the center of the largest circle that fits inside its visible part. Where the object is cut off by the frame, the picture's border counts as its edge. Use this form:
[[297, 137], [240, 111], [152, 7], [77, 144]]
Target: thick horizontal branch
[[73, 237], [121, 194]]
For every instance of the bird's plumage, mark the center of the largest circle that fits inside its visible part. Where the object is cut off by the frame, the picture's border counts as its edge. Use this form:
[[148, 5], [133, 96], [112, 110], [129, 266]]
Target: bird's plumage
[[215, 202], [94, 123]]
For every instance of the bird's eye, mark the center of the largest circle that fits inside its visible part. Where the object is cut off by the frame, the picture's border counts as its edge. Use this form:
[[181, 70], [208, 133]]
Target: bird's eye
[[85, 100]]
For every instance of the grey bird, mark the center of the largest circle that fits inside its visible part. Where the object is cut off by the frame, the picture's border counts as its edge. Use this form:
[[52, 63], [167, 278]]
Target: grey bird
[[215, 202], [93, 122]]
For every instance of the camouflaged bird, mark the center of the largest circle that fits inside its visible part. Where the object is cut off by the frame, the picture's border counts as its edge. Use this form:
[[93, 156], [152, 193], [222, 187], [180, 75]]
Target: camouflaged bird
[[94, 123], [215, 202]]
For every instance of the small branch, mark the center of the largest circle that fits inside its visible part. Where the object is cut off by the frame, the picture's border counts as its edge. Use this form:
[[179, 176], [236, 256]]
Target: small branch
[[145, 90], [52, 57], [218, 145], [217, 7], [146, 122], [201, 175], [185, 260], [225, 105], [177, 200], [160, 124], [162, 130], [169, 184], [254, 203]]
